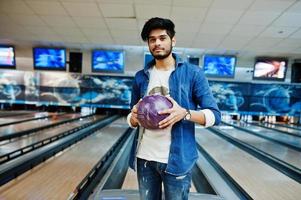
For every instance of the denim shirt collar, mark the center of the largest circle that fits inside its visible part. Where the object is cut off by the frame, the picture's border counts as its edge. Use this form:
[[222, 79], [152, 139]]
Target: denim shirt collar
[[149, 65]]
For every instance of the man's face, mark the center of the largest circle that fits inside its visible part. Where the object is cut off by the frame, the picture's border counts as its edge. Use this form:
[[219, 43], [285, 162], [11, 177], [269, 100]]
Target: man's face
[[160, 44]]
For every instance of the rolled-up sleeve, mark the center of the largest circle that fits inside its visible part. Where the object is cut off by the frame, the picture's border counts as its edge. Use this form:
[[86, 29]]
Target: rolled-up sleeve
[[204, 98]]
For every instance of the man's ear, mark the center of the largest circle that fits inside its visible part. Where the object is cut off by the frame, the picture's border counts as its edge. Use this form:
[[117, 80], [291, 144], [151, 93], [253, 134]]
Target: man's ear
[[173, 41]]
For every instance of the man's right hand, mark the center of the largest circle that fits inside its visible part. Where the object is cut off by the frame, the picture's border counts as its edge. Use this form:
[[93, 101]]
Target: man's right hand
[[134, 115]]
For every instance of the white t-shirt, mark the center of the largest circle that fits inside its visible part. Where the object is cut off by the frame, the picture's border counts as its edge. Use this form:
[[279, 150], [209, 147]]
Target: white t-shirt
[[155, 144]]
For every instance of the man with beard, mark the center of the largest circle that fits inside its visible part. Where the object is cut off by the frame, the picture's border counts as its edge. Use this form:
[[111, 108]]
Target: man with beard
[[167, 155]]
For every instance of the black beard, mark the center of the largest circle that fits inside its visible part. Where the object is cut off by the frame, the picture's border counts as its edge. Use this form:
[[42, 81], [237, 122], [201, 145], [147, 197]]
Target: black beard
[[161, 57]]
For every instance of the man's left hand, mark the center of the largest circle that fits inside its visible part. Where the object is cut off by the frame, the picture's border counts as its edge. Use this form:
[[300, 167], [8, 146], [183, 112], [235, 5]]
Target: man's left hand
[[176, 113]]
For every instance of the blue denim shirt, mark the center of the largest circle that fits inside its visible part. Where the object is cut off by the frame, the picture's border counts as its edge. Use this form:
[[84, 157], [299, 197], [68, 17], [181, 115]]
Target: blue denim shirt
[[189, 87]]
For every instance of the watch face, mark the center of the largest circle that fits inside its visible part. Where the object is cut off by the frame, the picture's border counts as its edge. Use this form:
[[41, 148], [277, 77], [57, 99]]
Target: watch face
[[187, 116]]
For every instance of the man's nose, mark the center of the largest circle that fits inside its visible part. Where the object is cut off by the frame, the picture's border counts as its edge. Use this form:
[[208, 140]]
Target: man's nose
[[158, 42]]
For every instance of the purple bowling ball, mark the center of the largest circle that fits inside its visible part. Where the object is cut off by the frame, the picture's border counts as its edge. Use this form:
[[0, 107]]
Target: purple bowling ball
[[148, 109]]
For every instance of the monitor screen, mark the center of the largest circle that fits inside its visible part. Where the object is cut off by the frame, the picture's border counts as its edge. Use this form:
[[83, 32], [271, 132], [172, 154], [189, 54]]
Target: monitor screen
[[219, 66], [107, 61], [267, 68], [7, 57], [49, 58]]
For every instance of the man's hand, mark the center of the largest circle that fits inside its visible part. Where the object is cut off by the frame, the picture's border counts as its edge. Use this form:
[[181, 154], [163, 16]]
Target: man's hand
[[177, 113], [134, 115]]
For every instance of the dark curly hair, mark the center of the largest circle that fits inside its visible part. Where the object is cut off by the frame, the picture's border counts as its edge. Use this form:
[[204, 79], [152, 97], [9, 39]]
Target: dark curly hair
[[158, 23]]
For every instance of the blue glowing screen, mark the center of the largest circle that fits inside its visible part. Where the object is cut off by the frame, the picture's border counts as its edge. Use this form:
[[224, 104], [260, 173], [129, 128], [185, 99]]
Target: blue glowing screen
[[107, 61], [7, 56], [219, 66], [49, 58]]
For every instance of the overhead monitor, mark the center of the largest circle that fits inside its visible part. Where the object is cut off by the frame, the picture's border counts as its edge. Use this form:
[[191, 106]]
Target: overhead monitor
[[111, 61], [7, 57], [48, 58], [219, 65], [270, 68]]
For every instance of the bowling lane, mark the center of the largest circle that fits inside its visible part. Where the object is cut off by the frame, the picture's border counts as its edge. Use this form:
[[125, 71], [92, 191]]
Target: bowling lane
[[7, 113], [298, 126], [130, 181], [43, 134], [279, 151], [280, 128], [24, 117], [58, 177], [10, 129], [293, 126], [290, 139], [258, 179]]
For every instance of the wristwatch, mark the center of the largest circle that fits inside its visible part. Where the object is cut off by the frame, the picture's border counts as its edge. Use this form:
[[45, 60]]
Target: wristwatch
[[188, 115]]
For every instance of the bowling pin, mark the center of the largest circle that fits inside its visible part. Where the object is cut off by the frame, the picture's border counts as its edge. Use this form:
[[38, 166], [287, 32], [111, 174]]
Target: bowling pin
[[249, 118]]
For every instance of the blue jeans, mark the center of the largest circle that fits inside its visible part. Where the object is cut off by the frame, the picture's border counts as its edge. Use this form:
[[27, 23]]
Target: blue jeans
[[152, 174]]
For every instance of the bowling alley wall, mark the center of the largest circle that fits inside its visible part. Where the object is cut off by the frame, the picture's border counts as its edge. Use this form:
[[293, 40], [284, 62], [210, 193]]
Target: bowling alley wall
[[239, 94]]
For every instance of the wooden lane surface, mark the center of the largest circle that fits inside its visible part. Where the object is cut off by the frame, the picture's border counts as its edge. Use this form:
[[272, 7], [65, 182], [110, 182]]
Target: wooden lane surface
[[295, 125], [43, 134], [258, 179], [281, 128], [58, 177], [286, 125], [279, 151], [296, 141], [24, 117], [130, 181], [6, 113], [10, 129]]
